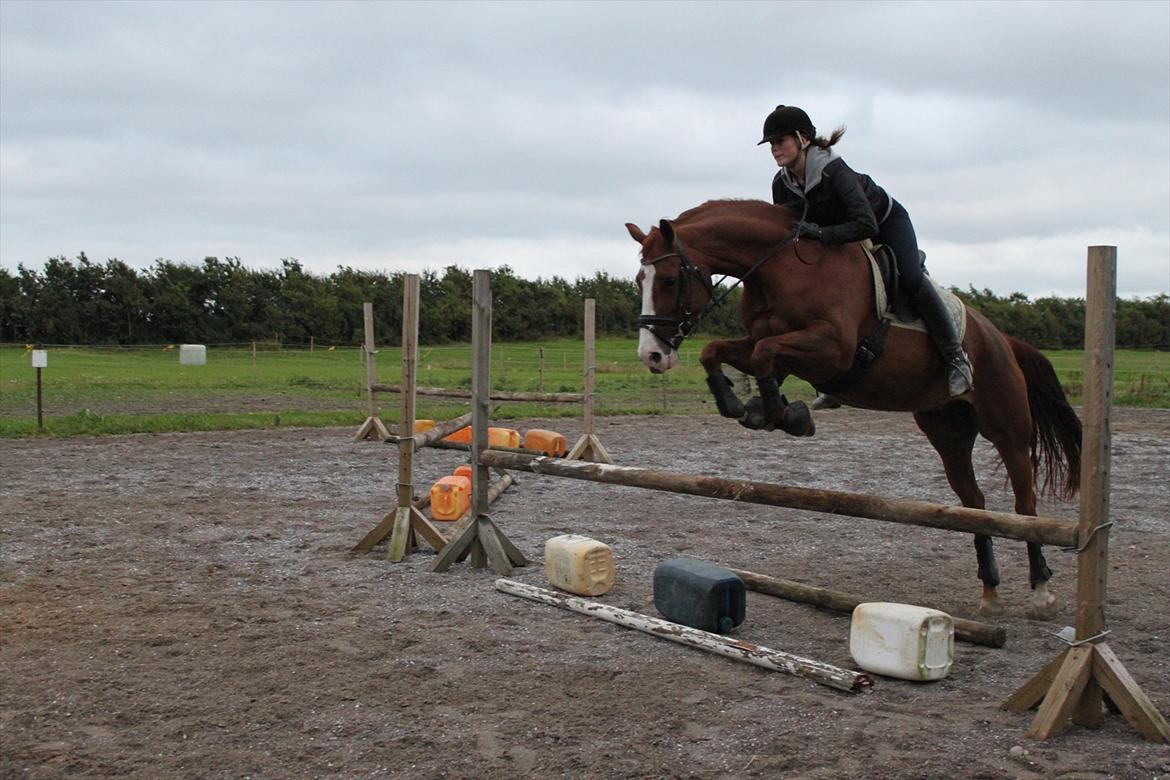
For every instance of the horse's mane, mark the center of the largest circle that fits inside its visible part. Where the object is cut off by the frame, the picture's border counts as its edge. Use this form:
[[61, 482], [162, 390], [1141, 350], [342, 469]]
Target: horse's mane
[[744, 217]]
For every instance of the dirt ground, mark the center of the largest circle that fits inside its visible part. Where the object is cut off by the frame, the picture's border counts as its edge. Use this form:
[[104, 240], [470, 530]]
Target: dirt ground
[[186, 606]]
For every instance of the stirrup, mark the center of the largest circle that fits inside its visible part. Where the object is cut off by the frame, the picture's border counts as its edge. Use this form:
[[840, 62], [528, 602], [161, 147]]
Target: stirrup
[[960, 379]]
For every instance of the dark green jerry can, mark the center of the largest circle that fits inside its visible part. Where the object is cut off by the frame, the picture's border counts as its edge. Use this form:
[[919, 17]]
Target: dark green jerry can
[[699, 594]]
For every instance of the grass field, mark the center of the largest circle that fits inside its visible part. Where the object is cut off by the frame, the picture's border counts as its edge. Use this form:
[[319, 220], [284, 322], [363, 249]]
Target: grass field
[[144, 389]]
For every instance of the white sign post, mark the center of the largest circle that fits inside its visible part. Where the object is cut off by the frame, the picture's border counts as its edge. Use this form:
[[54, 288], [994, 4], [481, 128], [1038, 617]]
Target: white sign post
[[40, 359]]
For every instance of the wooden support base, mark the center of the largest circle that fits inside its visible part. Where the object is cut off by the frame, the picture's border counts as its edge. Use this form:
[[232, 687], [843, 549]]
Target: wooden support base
[[486, 545], [589, 447], [372, 428], [403, 526], [1071, 688]]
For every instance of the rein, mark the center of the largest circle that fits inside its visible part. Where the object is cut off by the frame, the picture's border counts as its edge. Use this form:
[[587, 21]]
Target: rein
[[687, 323]]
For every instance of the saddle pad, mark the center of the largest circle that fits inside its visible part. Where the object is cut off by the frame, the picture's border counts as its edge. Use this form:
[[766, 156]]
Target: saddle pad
[[953, 304]]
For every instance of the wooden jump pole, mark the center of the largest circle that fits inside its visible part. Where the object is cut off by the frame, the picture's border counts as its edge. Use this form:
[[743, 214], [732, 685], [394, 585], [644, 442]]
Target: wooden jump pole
[[965, 630], [588, 447], [480, 538], [496, 395], [728, 647], [1045, 530], [1074, 685], [842, 680], [373, 427]]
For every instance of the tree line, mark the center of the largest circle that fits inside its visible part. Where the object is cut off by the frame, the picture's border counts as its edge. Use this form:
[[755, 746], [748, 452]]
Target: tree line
[[223, 302]]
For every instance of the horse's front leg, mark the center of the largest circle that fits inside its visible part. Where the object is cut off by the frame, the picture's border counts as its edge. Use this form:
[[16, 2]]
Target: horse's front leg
[[736, 353], [770, 410], [805, 352]]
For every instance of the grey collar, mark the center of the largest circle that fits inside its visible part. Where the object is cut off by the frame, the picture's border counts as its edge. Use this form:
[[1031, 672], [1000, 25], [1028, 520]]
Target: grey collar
[[815, 161]]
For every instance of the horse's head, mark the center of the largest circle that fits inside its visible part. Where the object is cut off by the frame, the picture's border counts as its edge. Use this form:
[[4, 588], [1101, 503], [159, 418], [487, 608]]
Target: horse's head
[[674, 292]]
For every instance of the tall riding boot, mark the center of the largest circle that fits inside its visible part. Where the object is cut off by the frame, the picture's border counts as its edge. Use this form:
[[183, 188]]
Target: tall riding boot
[[942, 329]]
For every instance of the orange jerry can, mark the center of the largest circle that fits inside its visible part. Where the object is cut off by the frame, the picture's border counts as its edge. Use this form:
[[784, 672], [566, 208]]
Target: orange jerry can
[[503, 437], [450, 497], [549, 442], [461, 436], [463, 471]]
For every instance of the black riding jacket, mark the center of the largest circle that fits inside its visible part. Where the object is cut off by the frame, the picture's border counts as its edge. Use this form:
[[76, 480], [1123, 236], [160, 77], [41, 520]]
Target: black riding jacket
[[847, 205]]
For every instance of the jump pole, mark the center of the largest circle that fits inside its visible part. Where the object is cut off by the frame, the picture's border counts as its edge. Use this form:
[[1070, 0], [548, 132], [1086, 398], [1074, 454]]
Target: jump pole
[[1075, 684], [588, 447]]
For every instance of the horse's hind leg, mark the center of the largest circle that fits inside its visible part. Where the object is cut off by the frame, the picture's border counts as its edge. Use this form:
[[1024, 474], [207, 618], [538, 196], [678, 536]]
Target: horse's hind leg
[[951, 431], [1018, 463]]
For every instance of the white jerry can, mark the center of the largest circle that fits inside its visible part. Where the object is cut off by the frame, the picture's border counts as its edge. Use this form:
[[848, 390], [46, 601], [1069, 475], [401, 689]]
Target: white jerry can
[[579, 564], [902, 640]]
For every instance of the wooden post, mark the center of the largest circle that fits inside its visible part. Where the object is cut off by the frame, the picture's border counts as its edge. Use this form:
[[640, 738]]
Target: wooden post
[[408, 519], [373, 427], [589, 447], [406, 522], [1074, 685], [480, 538]]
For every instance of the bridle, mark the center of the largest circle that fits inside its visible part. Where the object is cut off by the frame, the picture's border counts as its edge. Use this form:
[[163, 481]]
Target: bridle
[[686, 324]]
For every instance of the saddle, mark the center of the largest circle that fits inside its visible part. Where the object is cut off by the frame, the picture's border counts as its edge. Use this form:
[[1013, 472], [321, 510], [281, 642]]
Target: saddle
[[893, 303], [893, 309]]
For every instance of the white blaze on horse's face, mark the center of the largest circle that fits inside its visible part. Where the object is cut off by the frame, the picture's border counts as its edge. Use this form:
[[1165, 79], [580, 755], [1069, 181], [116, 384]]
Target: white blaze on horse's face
[[654, 354]]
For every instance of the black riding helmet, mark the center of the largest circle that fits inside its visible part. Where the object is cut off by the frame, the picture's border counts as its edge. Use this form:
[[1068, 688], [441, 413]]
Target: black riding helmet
[[787, 120]]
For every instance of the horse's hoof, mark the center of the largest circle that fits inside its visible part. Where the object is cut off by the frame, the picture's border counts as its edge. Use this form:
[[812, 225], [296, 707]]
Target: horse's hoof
[[1045, 605], [798, 420], [990, 607], [754, 417]]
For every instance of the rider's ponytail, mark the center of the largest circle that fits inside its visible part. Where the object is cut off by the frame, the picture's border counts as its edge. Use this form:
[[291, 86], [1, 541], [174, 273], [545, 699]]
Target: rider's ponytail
[[825, 143]]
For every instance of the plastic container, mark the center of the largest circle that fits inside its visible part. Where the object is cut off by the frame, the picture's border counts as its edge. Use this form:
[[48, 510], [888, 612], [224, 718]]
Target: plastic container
[[192, 354], [497, 437], [503, 437], [423, 425], [579, 564], [902, 640], [699, 594], [463, 471], [550, 443], [450, 497], [461, 436]]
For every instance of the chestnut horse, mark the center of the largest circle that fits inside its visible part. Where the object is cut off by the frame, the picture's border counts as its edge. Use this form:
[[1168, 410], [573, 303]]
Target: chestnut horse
[[807, 308]]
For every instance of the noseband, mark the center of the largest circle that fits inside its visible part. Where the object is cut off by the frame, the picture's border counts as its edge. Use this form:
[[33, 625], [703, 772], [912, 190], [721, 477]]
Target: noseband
[[689, 321]]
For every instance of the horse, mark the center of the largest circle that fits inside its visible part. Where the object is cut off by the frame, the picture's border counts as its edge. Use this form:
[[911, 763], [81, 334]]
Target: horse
[[809, 311]]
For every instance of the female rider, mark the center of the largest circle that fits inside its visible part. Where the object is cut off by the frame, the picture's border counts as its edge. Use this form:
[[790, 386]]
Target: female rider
[[846, 206]]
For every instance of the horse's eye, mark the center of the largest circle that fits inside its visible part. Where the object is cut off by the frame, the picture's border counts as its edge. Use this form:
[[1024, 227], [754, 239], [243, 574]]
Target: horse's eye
[[669, 283]]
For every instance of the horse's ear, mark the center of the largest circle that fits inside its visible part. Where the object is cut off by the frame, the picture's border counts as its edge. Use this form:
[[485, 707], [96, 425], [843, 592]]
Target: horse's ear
[[667, 230], [636, 233]]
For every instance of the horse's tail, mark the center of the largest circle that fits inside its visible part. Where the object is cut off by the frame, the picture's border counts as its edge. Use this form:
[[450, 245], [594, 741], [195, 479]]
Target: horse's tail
[[1056, 429]]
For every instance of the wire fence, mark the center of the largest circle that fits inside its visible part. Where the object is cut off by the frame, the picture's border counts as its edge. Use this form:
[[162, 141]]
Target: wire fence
[[275, 377]]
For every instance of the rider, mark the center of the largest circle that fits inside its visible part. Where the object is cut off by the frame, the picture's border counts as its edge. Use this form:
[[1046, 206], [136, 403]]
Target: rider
[[846, 206]]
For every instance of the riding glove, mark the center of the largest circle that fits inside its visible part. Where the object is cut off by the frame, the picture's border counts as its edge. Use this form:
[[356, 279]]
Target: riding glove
[[810, 230]]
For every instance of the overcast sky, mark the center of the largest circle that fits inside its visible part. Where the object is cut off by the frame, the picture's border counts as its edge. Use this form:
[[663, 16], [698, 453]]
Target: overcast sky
[[402, 136]]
